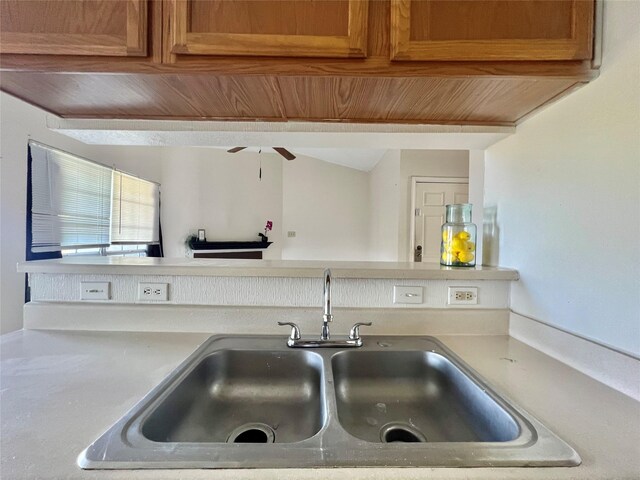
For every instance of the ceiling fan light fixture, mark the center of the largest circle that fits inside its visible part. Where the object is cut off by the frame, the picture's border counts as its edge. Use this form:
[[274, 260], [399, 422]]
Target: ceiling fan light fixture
[[235, 149], [280, 150]]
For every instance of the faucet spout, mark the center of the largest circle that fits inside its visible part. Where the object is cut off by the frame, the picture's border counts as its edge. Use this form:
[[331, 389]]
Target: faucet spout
[[327, 317], [354, 339]]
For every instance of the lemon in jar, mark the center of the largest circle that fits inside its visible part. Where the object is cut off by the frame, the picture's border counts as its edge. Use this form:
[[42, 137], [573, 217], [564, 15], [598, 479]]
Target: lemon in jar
[[465, 257], [464, 236], [458, 245], [449, 257], [445, 236], [470, 247]]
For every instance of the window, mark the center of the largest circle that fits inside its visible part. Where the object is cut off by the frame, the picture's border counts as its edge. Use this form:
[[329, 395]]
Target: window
[[133, 210], [71, 201], [79, 207]]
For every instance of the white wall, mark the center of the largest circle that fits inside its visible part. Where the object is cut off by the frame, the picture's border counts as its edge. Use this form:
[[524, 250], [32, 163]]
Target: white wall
[[180, 195], [19, 122], [222, 193], [567, 192], [327, 206], [427, 163], [236, 203], [384, 195], [476, 196]]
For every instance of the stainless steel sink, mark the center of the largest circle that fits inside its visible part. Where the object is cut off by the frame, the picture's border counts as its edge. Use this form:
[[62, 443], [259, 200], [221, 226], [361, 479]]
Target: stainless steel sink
[[243, 396], [415, 397], [249, 401]]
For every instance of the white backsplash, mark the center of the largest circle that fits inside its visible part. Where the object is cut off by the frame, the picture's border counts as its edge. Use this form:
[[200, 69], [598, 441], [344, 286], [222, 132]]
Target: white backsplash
[[267, 291]]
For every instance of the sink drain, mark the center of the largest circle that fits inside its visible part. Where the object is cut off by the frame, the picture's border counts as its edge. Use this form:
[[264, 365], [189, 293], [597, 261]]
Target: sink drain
[[252, 433], [401, 433]]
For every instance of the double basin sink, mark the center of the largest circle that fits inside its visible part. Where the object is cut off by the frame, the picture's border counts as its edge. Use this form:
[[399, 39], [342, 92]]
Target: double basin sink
[[251, 402]]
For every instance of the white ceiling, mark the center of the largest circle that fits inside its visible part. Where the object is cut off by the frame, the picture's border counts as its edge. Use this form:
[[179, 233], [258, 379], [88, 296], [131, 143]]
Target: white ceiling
[[359, 158]]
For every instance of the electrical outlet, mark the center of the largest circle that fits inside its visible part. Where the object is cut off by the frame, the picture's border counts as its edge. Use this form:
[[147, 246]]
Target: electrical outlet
[[94, 290], [291, 234], [403, 294], [153, 292], [463, 296]]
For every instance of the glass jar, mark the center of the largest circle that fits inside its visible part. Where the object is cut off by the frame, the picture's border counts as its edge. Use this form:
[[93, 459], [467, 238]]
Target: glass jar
[[458, 247]]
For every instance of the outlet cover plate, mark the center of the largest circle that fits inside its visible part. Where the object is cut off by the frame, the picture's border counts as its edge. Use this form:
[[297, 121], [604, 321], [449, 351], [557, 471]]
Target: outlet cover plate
[[402, 294], [463, 296], [153, 292]]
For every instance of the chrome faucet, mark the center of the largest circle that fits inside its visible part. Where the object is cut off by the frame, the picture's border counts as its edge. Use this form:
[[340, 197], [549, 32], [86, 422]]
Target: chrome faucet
[[353, 340], [327, 317]]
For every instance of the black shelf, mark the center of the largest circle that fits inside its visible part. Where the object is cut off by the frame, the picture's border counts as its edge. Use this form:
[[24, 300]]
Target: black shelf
[[194, 244]]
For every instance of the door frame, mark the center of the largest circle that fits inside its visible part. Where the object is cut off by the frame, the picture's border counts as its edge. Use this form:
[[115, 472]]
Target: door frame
[[412, 211]]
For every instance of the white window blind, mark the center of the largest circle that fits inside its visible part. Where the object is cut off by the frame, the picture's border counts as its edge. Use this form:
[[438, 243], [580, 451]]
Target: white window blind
[[70, 200], [134, 210]]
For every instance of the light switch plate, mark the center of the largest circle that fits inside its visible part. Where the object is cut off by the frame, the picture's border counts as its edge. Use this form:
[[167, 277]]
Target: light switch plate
[[403, 294], [95, 290]]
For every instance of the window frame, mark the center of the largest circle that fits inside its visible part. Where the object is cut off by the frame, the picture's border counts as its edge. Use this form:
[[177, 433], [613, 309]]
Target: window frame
[[137, 248]]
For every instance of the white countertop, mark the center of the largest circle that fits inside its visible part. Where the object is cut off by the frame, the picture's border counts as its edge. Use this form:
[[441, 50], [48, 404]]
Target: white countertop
[[61, 390], [263, 268]]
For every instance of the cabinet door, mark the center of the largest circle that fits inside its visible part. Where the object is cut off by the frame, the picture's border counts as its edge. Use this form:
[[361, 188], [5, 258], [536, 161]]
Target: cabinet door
[[283, 28], [74, 27], [491, 30]]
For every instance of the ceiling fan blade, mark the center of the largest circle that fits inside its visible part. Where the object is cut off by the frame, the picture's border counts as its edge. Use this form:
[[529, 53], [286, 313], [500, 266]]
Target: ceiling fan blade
[[235, 149], [285, 153]]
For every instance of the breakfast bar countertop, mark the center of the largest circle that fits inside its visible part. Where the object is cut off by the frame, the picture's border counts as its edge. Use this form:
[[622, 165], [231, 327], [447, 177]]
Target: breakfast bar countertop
[[263, 268], [61, 389]]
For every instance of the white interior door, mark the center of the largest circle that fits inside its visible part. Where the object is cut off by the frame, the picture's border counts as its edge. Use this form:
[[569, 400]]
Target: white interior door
[[430, 201]]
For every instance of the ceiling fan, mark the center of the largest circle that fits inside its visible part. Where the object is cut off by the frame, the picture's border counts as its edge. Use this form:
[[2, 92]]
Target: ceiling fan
[[281, 150]]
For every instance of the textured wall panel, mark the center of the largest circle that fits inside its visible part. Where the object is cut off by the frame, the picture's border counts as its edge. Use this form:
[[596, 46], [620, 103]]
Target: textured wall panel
[[266, 291]]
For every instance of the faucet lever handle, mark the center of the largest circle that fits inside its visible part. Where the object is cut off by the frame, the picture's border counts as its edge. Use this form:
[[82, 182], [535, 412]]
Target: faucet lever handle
[[295, 330], [354, 334]]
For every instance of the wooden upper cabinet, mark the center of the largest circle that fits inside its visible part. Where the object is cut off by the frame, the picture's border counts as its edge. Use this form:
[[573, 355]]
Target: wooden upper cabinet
[[491, 30], [282, 28], [74, 27]]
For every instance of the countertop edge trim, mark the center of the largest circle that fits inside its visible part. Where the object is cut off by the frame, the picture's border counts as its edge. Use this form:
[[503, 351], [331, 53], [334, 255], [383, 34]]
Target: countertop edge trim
[[292, 272]]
